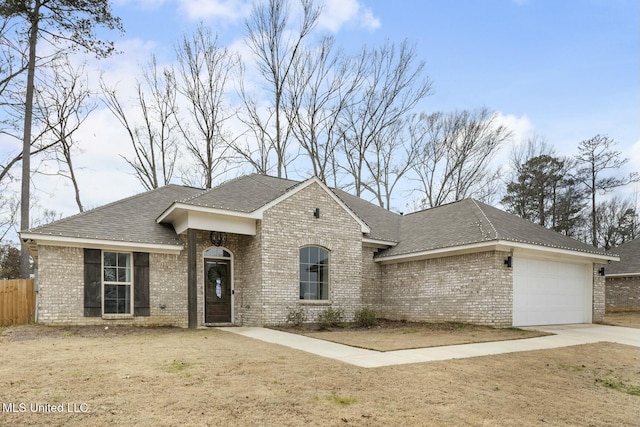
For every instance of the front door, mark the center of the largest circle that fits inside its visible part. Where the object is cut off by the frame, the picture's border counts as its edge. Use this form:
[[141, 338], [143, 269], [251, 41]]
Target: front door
[[217, 291]]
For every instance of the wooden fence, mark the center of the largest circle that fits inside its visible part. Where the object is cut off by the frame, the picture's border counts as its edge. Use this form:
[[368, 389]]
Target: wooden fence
[[17, 301]]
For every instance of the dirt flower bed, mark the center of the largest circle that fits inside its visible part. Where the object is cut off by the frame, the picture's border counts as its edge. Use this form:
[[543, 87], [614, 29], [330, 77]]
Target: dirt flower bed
[[394, 335], [628, 319], [35, 332], [171, 377]]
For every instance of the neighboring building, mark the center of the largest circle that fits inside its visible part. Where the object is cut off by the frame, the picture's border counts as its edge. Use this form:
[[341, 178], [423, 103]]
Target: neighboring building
[[623, 279], [254, 249]]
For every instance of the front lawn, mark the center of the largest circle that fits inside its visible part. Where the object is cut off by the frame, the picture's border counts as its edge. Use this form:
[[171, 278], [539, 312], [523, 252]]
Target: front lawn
[[170, 377]]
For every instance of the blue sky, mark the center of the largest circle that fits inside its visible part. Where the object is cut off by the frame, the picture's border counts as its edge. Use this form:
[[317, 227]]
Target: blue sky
[[561, 69]]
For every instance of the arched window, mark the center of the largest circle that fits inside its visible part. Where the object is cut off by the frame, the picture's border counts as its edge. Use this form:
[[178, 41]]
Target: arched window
[[216, 252], [314, 273]]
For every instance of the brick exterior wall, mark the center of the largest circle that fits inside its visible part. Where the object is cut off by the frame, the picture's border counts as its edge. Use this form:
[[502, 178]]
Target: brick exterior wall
[[290, 225], [597, 314], [622, 293], [371, 278], [265, 270], [61, 289], [472, 288], [60, 284]]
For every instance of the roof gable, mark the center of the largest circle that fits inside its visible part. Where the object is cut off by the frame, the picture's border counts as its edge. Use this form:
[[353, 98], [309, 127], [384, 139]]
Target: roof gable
[[246, 197]]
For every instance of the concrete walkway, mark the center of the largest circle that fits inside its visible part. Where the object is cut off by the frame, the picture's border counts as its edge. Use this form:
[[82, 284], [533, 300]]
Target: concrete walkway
[[565, 335]]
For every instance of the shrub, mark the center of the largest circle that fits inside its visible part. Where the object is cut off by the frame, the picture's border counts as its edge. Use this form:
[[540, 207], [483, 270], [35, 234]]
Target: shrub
[[296, 316], [330, 318], [366, 317]]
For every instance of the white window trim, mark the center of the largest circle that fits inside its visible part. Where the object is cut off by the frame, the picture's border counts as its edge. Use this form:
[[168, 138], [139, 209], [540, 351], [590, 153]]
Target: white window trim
[[130, 284]]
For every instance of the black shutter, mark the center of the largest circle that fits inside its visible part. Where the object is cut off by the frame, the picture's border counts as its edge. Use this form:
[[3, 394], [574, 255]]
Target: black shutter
[[141, 284], [92, 282]]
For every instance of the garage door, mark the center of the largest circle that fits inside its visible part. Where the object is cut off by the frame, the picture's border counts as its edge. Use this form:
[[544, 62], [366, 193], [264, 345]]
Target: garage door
[[550, 292]]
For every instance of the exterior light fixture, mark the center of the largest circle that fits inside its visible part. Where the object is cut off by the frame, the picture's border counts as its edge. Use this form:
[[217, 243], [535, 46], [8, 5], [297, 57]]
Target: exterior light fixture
[[508, 261], [218, 238], [601, 271]]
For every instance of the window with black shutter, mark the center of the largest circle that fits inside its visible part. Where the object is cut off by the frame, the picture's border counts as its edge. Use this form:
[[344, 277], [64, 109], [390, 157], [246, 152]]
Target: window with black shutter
[[141, 283], [92, 282]]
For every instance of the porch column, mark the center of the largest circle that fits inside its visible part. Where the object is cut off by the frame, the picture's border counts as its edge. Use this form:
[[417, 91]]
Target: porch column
[[192, 278]]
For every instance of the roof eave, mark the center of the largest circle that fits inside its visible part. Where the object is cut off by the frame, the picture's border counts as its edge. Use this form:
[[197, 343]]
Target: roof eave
[[378, 243], [178, 207], [622, 274], [34, 239], [497, 244]]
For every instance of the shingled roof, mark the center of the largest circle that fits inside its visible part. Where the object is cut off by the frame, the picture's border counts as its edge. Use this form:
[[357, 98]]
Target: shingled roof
[[629, 264], [245, 194], [128, 220], [468, 222], [134, 219]]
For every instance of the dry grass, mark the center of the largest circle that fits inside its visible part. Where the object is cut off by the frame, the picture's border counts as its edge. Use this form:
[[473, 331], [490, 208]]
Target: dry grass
[[213, 378], [389, 336]]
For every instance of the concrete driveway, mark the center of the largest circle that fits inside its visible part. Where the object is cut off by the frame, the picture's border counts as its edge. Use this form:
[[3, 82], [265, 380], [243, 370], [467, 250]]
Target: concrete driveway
[[564, 335]]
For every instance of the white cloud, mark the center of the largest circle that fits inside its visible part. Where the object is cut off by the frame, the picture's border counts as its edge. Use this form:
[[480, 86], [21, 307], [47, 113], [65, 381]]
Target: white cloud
[[337, 13], [226, 9], [520, 126]]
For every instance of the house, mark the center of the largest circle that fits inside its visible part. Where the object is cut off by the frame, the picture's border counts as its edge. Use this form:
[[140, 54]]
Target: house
[[255, 248], [622, 282]]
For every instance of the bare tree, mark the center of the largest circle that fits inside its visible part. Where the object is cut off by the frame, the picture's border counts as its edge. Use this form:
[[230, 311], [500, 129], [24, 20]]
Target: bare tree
[[206, 70], [154, 140], [321, 85], [9, 208], [456, 151], [63, 104], [276, 48], [596, 156], [54, 21], [618, 222], [393, 83], [13, 58], [394, 153]]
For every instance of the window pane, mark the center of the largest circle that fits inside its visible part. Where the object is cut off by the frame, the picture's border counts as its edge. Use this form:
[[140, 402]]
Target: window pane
[[324, 291], [110, 274], [313, 255], [110, 258], [304, 273], [303, 290], [110, 306], [123, 260], [117, 299], [110, 292], [323, 257], [323, 273], [127, 301], [213, 252], [304, 255]]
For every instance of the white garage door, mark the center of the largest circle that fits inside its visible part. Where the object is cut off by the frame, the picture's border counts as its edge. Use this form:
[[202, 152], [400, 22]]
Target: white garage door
[[550, 292]]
